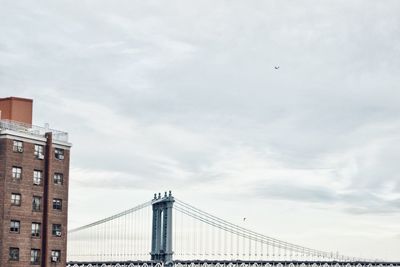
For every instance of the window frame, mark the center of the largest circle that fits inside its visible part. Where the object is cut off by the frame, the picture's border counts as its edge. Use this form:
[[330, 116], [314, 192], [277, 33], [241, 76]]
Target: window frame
[[39, 205], [60, 178], [36, 231], [56, 228], [57, 204], [37, 177], [10, 258], [14, 199], [18, 146], [16, 172], [38, 150], [35, 256], [59, 153], [16, 228], [56, 253]]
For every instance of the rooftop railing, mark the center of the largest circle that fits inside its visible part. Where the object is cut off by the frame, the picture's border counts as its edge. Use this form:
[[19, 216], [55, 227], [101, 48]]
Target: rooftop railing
[[32, 130]]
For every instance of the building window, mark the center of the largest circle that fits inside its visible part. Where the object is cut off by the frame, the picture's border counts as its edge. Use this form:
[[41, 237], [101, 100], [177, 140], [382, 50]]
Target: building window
[[57, 204], [37, 177], [18, 146], [14, 226], [56, 230], [13, 254], [15, 199], [36, 203], [39, 152], [35, 229], [35, 256], [55, 255], [58, 178], [59, 153], [16, 173]]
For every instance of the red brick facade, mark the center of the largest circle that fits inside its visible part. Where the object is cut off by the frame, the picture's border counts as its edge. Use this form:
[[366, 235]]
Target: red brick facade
[[48, 190]]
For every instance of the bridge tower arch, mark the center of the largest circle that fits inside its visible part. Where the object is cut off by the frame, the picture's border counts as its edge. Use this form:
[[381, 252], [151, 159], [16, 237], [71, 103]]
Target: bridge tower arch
[[161, 241]]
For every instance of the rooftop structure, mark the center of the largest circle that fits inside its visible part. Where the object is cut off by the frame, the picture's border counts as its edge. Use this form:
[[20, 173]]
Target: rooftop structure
[[16, 109], [31, 131]]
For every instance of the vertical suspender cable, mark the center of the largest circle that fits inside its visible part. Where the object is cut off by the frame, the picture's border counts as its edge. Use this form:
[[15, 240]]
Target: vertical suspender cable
[[112, 236], [124, 238], [224, 243], [231, 250], [106, 245], [174, 227], [89, 244], [116, 238], [182, 236], [199, 239], [249, 248], [213, 241], [134, 239], [131, 229], [108, 251], [140, 250], [141, 234], [219, 242], [237, 246], [257, 248]]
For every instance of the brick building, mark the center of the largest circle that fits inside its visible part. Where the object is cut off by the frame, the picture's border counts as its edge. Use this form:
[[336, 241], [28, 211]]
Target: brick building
[[34, 169]]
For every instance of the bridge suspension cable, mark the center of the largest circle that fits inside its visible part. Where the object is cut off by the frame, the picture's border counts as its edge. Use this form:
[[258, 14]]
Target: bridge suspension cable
[[196, 235], [210, 237], [123, 236]]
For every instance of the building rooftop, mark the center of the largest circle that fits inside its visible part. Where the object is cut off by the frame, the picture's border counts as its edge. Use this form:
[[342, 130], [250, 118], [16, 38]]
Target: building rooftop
[[31, 130]]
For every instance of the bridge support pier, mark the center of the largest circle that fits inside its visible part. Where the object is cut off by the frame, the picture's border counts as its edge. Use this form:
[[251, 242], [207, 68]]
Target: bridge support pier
[[161, 241]]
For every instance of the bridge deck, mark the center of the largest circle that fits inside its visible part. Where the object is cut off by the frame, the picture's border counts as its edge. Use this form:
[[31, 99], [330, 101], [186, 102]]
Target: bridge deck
[[238, 263]]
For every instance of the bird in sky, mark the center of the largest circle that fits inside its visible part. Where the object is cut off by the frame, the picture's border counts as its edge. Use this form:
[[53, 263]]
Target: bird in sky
[[276, 67], [244, 219]]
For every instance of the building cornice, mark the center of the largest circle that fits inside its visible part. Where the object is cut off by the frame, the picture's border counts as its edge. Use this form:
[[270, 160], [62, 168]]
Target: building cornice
[[8, 134]]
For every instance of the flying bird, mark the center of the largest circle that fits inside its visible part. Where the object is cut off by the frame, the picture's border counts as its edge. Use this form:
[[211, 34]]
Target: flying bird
[[276, 67]]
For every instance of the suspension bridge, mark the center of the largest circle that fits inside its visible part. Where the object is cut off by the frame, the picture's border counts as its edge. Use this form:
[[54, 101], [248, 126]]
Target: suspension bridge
[[168, 231]]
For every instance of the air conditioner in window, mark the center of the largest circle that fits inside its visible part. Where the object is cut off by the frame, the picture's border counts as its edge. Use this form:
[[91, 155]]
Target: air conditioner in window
[[58, 233], [36, 182], [40, 156], [60, 156], [20, 149], [54, 259]]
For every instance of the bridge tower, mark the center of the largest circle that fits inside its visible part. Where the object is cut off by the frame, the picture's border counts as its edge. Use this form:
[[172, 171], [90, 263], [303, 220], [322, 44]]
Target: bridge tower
[[161, 241]]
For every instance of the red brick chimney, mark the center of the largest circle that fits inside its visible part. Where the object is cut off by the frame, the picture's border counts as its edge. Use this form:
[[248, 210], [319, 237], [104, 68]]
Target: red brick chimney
[[16, 109]]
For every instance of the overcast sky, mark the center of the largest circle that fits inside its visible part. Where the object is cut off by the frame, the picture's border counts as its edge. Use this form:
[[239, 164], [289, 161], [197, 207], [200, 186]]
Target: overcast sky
[[184, 95]]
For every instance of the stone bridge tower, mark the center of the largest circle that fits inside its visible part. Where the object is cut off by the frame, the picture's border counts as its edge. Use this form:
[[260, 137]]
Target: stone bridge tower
[[161, 241]]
